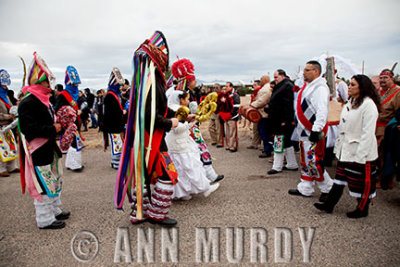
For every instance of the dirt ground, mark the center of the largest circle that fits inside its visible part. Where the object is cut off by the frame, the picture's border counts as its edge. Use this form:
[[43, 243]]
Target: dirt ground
[[247, 199]]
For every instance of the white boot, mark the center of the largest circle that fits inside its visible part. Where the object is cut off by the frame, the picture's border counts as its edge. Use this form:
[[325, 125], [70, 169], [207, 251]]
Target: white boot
[[212, 189], [278, 161], [291, 159]]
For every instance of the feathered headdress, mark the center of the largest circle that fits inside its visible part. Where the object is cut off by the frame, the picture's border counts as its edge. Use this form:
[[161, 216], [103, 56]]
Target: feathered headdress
[[183, 71]]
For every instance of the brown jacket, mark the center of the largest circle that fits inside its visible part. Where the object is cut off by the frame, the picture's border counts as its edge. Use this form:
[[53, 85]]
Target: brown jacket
[[262, 100], [5, 117], [388, 109]]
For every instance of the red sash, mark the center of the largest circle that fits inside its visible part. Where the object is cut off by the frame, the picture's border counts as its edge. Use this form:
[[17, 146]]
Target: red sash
[[391, 96], [72, 103], [382, 123], [302, 117], [157, 159], [7, 105], [320, 148]]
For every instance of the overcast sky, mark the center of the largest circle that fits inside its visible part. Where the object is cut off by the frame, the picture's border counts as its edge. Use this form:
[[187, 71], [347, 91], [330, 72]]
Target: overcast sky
[[225, 40]]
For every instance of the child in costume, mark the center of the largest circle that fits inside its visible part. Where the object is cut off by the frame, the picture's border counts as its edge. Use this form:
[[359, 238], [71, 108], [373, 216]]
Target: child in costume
[[183, 71], [185, 155]]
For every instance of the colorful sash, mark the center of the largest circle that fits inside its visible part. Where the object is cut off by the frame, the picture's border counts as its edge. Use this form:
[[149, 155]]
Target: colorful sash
[[116, 144], [79, 142], [279, 143], [201, 144], [8, 147], [28, 177], [50, 177], [168, 166]]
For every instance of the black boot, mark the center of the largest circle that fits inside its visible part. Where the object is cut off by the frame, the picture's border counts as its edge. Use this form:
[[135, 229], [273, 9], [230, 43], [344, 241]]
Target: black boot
[[358, 213], [328, 157], [333, 198]]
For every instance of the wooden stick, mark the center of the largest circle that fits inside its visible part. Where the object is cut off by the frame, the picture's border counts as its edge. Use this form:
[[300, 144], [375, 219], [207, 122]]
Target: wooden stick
[[23, 79]]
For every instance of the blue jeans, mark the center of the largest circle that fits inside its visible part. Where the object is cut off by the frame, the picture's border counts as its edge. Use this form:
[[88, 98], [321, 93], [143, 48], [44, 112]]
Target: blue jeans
[[265, 135], [93, 119]]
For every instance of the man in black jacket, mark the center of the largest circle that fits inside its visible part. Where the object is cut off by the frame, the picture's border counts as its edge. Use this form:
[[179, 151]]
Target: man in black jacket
[[281, 122], [90, 100]]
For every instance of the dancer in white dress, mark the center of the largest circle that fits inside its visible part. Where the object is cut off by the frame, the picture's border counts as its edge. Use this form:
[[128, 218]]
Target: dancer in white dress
[[185, 155]]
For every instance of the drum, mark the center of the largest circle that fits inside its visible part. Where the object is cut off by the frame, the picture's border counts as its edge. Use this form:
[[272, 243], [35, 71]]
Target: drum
[[250, 113]]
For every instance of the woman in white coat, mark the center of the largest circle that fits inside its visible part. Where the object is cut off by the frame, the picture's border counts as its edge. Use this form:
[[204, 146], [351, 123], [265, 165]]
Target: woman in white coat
[[356, 148]]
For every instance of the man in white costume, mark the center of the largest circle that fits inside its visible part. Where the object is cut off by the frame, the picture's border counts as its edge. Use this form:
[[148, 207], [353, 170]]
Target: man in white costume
[[312, 117]]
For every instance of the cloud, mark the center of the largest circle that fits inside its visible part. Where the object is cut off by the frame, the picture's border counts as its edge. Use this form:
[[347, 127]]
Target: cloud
[[226, 40]]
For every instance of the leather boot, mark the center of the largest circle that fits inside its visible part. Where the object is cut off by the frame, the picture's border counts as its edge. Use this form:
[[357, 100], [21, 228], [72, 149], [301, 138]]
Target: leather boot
[[358, 212], [333, 198]]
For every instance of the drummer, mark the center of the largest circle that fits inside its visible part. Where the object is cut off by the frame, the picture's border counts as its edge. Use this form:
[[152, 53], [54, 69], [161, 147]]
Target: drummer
[[261, 100]]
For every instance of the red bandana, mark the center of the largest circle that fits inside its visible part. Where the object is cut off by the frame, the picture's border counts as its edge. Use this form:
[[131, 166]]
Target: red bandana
[[386, 73]]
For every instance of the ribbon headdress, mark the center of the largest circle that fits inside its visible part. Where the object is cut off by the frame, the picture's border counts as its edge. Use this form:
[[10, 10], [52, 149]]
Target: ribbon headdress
[[140, 151], [39, 71]]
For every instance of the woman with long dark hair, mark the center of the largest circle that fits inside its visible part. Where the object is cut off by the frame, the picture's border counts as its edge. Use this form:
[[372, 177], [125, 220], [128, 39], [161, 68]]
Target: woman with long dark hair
[[356, 148]]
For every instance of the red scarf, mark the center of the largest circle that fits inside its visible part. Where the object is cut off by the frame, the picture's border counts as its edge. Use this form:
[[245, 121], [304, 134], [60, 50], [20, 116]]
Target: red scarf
[[254, 95]]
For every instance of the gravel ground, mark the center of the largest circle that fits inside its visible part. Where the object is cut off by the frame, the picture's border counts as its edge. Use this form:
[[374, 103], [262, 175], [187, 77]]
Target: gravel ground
[[247, 199]]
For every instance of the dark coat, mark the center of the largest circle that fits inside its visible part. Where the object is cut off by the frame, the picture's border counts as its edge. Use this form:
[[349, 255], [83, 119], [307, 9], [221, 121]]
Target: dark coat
[[36, 120], [236, 101], [161, 109], [60, 102], [90, 99], [281, 109], [113, 119]]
